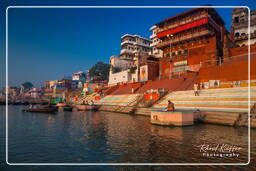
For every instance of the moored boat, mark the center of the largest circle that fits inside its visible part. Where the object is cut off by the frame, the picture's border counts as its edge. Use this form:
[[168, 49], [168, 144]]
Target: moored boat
[[65, 108], [43, 109], [86, 107], [61, 104]]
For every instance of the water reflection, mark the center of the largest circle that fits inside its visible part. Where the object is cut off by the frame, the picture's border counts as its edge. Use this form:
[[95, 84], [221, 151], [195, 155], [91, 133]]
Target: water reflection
[[113, 137]]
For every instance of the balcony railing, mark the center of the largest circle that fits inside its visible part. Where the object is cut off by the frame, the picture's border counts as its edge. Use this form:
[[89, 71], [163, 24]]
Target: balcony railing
[[178, 39], [244, 37], [127, 41], [171, 26], [127, 51]]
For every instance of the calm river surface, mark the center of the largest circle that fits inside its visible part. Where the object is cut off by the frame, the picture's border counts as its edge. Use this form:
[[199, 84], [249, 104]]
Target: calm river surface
[[104, 137]]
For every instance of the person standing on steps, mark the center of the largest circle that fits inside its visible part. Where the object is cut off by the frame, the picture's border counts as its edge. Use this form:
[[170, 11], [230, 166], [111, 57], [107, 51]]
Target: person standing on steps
[[196, 89]]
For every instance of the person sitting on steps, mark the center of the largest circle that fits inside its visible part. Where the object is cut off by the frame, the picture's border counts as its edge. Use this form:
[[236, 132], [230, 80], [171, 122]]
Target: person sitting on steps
[[170, 106]]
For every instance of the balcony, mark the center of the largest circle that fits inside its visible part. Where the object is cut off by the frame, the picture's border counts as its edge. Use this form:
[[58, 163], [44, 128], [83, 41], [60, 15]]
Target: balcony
[[127, 41], [245, 37], [183, 38], [126, 51], [171, 26]]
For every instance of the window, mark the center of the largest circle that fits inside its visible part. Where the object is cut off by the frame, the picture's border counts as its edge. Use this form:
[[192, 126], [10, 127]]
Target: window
[[236, 20], [185, 52]]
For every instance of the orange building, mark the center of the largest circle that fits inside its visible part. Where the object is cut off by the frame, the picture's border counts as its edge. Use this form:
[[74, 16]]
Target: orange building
[[190, 39]]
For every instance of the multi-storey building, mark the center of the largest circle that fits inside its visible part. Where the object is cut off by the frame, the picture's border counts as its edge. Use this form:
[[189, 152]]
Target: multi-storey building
[[190, 39], [158, 53], [132, 44], [239, 26], [125, 67]]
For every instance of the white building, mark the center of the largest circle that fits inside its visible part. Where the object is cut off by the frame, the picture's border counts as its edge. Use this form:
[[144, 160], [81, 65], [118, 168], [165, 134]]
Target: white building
[[35, 92], [155, 51], [240, 26], [78, 76], [124, 68], [78, 80], [131, 44]]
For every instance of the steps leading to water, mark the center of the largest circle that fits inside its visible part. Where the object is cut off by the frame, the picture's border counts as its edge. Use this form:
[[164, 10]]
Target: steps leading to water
[[120, 109], [143, 111], [121, 100], [218, 106], [225, 99], [223, 118]]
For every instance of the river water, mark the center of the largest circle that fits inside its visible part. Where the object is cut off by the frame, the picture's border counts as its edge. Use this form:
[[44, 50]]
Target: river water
[[105, 137]]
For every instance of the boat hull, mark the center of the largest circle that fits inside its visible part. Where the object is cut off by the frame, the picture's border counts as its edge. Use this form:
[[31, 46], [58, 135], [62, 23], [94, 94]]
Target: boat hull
[[86, 107], [41, 110]]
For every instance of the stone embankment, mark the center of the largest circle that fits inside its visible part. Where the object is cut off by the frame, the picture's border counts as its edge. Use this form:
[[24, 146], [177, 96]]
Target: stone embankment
[[225, 106]]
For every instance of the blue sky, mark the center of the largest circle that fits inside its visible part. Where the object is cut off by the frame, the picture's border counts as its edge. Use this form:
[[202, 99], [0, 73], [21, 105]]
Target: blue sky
[[47, 44]]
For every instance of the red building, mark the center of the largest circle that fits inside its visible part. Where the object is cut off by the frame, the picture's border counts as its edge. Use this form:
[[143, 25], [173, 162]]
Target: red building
[[189, 40]]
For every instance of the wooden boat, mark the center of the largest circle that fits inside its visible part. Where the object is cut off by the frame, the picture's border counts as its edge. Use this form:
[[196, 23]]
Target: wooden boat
[[61, 104], [48, 109], [65, 108], [86, 107]]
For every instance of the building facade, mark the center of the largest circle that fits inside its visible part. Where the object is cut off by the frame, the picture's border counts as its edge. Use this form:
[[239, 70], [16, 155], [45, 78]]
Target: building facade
[[239, 27], [132, 44], [188, 40], [158, 53], [125, 67], [118, 64]]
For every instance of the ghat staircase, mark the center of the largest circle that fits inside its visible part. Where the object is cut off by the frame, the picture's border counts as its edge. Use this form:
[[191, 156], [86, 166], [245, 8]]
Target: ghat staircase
[[223, 106]]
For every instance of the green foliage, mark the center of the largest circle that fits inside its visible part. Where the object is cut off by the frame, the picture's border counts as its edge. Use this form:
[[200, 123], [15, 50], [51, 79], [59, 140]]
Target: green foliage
[[115, 70], [100, 71]]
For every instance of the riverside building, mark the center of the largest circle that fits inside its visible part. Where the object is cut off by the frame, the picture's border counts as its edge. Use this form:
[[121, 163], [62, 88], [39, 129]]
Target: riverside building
[[125, 67], [239, 26], [158, 53], [189, 39], [132, 44]]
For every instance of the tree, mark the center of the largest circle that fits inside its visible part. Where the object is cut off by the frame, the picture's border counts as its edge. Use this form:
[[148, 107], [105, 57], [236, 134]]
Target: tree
[[99, 72]]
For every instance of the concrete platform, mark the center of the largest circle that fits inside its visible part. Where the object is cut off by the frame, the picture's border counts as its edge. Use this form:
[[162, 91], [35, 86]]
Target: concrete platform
[[175, 118]]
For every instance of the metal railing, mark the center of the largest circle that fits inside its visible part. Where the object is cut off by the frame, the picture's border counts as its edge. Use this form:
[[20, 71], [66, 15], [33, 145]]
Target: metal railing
[[245, 36], [178, 39], [182, 22]]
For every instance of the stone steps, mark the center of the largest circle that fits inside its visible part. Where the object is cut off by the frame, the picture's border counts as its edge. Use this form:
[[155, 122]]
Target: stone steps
[[143, 111], [120, 109], [223, 118], [224, 99]]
